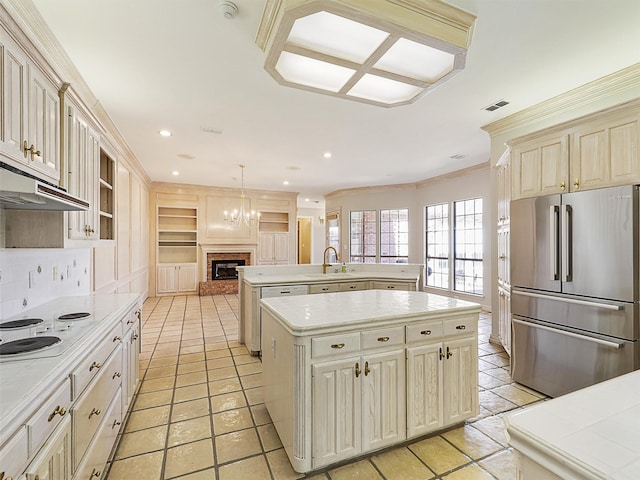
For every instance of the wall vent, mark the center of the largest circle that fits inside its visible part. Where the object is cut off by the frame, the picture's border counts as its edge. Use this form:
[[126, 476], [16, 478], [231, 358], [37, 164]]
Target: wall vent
[[496, 105]]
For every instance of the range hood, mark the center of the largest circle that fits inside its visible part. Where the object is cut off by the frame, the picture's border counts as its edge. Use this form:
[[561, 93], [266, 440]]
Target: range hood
[[19, 191]]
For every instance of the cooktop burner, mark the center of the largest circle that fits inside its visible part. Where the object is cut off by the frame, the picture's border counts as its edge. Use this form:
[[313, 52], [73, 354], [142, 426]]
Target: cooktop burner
[[29, 344], [23, 322], [74, 316]]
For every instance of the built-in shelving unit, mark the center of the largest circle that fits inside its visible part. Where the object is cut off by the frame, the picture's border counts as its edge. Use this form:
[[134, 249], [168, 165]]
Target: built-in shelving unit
[[177, 235], [106, 184], [274, 222]]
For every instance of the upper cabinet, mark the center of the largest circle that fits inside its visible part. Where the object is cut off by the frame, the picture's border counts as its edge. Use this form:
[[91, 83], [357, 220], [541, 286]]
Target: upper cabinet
[[597, 151], [30, 133]]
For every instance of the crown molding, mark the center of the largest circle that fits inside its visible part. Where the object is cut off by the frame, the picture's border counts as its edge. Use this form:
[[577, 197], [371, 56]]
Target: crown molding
[[625, 80]]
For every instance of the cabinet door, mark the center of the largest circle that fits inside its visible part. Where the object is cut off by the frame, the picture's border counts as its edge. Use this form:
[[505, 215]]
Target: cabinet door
[[281, 248], [44, 125], [424, 389], [336, 411], [606, 154], [14, 96], [540, 167], [383, 400], [167, 279], [54, 460], [84, 154], [504, 319], [460, 386], [266, 249], [187, 278]]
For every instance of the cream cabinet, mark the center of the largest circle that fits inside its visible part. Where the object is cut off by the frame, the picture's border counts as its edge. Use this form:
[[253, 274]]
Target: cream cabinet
[[83, 163], [392, 285], [31, 114], [605, 152], [442, 374], [336, 395], [130, 358], [540, 166], [54, 460], [358, 405], [273, 248], [504, 318], [177, 278], [595, 151]]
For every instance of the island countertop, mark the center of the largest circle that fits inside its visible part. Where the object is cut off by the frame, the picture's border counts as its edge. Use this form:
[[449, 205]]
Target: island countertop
[[311, 314], [593, 433]]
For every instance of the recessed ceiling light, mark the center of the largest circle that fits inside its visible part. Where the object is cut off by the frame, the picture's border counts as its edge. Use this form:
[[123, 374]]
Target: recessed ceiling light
[[286, 182], [306, 199], [327, 155], [176, 173], [165, 133]]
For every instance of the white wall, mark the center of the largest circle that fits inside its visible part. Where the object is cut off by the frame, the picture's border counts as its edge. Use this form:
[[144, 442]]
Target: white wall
[[37, 275]]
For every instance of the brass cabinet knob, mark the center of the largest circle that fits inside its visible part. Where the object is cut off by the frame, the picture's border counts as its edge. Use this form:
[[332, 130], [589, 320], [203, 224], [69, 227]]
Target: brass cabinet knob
[[461, 327], [95, 365], [337, 345], [56, 411], [135, 336], [94, 411], [116, 375], [563, 185], [383, 339], [576, 184], [358, 371], [425, 332], [366, 369]]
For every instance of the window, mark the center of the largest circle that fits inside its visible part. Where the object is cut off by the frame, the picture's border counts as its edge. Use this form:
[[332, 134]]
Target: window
[[459, 246], [437, 274], [468, 246], [394, 236], [333, 233], [362, 235]]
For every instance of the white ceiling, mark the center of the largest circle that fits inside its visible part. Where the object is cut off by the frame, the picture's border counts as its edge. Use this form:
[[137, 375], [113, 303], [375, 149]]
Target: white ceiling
[[179, 65]]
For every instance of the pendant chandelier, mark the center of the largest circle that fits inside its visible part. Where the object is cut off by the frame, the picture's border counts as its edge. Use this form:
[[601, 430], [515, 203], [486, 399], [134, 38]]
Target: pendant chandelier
[[241, 216]]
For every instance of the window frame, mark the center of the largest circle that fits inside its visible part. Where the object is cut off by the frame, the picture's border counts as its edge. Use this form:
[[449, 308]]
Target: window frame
[[396, 229], [365, 256]]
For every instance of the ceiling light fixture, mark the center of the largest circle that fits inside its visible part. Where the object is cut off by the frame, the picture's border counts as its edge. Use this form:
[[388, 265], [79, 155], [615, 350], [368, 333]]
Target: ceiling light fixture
[[286, 182], [165, 133], [175, 173], [241, 216], [385, 53], [327, 155]]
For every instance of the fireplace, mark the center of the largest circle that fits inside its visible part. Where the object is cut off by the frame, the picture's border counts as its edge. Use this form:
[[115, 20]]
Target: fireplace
[[221, 276], [225, 269]]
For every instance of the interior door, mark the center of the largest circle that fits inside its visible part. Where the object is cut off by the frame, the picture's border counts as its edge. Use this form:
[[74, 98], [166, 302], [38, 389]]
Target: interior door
[[535, 246], [603, 239]]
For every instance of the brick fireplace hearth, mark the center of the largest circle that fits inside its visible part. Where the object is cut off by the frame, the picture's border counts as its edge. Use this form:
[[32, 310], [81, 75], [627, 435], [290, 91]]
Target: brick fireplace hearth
[[225, 286]]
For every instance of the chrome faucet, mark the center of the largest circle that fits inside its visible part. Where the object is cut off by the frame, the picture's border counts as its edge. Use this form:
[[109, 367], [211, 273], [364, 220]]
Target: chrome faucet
[[324, 258]]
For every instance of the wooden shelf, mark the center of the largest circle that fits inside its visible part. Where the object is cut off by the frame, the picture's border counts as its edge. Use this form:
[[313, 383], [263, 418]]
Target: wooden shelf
[[177, 235], [106, 200]]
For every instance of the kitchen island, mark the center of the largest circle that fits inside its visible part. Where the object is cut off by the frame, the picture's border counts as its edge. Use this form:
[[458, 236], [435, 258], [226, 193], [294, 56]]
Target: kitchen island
[[593, 433], [349, 373], [257, 282]]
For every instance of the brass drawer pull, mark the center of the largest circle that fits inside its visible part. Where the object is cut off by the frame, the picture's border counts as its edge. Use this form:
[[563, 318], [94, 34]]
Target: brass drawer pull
[[134, 336], [449, 353], [94, 411], [117, 338], [383, 339], [115, 424], [576, 184], [95, 365], [441, 354], [358, 371], [366, 369], [391, 286], [461, 327], [56, 411], [337, 345], [425, 332], [116, 375], [95, 473]]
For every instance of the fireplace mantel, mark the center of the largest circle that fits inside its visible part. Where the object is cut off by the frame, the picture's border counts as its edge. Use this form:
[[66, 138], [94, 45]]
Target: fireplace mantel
[[250, 248]]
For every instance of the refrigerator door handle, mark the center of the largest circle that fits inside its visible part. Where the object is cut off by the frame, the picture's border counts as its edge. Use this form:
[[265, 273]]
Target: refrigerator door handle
[[569, 334], [586, 303], [554, 217], [566, 240]]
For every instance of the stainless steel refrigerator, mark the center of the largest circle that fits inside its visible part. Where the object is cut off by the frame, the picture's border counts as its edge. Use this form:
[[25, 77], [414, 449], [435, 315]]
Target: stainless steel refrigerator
[[575, 265]]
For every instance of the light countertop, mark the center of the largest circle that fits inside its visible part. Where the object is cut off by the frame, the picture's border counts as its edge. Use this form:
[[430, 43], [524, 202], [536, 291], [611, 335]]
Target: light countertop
[[307, 314], [24, 378], [311, 278], [593, 433]]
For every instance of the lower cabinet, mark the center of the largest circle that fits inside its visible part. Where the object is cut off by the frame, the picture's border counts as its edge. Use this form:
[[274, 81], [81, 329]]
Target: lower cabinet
[[177, 278], [504, 318], [54, 460], [358, 405], [387, 285]]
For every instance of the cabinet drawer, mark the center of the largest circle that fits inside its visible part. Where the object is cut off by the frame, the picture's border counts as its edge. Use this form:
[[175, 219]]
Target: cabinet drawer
[[92, 363], [14, 454], [353, 286], [335, 344], [324, 288], [460, 326], [93, 464], [384, 337], [48, 416], [424, 331], [283, 291], [90, 409], [390, 286]]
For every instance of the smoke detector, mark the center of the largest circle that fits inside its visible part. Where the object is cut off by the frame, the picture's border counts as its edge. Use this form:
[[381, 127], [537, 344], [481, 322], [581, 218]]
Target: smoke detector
[[228, 9]]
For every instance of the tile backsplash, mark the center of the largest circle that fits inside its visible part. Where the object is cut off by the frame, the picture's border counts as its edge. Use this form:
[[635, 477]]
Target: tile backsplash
[[32, 276]]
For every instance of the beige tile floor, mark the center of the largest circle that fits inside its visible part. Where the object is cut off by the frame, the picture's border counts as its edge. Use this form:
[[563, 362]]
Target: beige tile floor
[[199, 412]]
